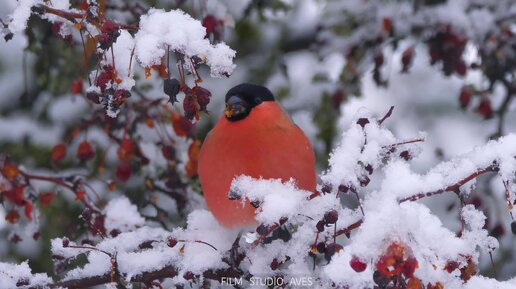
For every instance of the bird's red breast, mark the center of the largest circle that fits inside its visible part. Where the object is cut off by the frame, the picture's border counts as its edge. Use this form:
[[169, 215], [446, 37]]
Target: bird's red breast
[[265, 144]]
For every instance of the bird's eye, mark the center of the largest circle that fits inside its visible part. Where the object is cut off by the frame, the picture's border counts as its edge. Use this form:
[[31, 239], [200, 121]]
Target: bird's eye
[[258, 100]]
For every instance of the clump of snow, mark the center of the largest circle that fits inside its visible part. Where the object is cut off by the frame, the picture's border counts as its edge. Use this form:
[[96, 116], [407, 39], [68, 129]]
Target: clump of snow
[[276, 199], [123, 48], [122, 215], [12, 275], [19, 17], [175, 30], [365, 143]]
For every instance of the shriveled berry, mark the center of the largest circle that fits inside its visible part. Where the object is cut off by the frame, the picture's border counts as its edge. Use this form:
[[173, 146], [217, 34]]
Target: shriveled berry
[[326, 189], [364, 181], [331, 217], [275, 264], [283, 234], [369, 169], [105, 41], [119, 96], [146, 245], [172, 242], [283, 220], [262, 229], [343, 189], [256, 204], [451, 266], [357, 264], [381, 280], [362, 122], [66, 242], [321, 247], [87, 242], [331, 249], [233, 195], [405, 155], [171, 88], [203, 97], [93, 96], [188, 275], [191, 107], [513, 227], [320, 226]]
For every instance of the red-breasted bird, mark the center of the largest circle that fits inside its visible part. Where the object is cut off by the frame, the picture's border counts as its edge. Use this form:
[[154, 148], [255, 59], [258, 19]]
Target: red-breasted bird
[[257, 138]]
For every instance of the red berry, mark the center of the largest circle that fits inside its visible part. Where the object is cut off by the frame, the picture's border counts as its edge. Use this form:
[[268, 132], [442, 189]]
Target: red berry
[[106, 76], [126, 150], [120, 96], [123, 171], [378, 59], [109, 27], [58, 152], [168, 152], [460, 68], [465, 97], [85, 151], [451, 266], [409, 267], [484, 108], [357, 265], [210, 23], [172, 242], [331, 217], [406, 58], [76, 87]]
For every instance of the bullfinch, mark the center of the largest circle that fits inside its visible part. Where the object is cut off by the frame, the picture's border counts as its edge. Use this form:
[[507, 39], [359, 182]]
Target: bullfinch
[[257, 138]]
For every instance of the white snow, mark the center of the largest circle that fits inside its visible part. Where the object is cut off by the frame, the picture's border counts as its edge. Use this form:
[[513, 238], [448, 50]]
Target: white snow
[[175, 30], [122, 215]]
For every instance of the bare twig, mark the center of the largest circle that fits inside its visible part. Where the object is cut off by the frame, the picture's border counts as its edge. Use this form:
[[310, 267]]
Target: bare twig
[[386, 116], [451, 188]]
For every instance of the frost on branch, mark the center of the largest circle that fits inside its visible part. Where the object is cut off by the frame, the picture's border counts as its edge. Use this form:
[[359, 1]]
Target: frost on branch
[[162, 31]]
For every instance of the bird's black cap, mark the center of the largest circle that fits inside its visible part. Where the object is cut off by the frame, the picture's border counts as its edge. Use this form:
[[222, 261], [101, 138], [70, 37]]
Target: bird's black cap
[[251, 92], [241, 99]]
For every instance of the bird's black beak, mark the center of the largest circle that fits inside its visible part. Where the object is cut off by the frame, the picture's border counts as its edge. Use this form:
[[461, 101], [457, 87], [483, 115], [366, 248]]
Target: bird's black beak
[[236, 108]]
